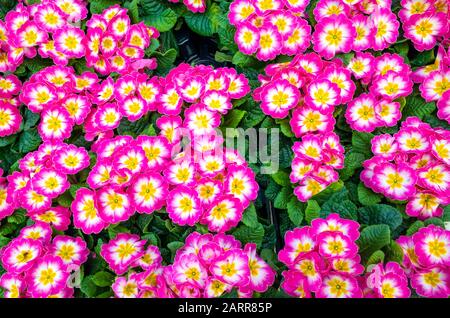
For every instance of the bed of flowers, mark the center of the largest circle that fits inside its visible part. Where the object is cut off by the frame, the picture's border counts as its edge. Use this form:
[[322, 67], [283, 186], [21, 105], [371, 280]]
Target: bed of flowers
[[120, 177]]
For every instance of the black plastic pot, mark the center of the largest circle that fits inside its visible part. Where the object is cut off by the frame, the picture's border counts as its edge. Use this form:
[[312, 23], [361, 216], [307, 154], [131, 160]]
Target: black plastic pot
[[195, 49]]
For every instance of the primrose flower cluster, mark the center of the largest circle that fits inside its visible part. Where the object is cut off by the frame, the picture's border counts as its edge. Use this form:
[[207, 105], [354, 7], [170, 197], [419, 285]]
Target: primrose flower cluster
[[322, 259], [61, 98], [198, 185], [39, 266], [64, 99], [43, 176], [193, 5], [50, 28], [273, 27], [427, 261], [308, 84], [269, 28], [412, 165], [206, 266], [311, 87], [10, 117], [344, 26], [434, 82], [385, 281], [46, 27], [113, 44], [388, 78], [424, 22], [206, 93], [315, 159]]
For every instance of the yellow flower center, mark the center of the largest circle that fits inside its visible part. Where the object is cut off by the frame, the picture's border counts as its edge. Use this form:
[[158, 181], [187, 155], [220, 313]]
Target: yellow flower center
[[337, 287], [148, 191], [366, 112], [47, 276], [71, 42], [265, 41], [220, 211], [395, 180], [334, 37], [125, 250], [424, 28], [228, 269], [66, 252]]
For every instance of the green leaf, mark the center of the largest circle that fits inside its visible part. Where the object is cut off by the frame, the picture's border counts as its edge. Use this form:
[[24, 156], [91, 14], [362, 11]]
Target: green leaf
[[97, 6], [37, 64], [376, 257], [434, 221], [254, 115], [242, 60], [222, 57], [168, 41], [165, 60], [294, 209], [158, 15], [7, 228], [74, 188], [272, 190], [250, 218], [4, 241], [353, 160], [133, 10], [247, 234], [232, 294], [346, 57], [151, 238], [282, 198], [5, 6], [29, 140], [417, 106], [233, 118], [446, 214], [380, 214], [394, 253], [333, 188], [30, 119], [143, 221], [5, 141], [201, 23], [367, 196], [285, 128], [435, 122], [402, 49], [312, 210], [174, 246], [361, 143], [339, 203], [270, 257], [9, 158], [18, 217], [413, 228], [113, 230], [373, 238], [65, 199], [106, 294], [88, 287], [103, 279], [133, 128], [282, 178], [424, 58]]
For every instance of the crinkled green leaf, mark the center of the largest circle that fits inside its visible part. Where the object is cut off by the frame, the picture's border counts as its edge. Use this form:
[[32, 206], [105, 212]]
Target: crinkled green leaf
[[373, 238], [380, 214], [295, 211]]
